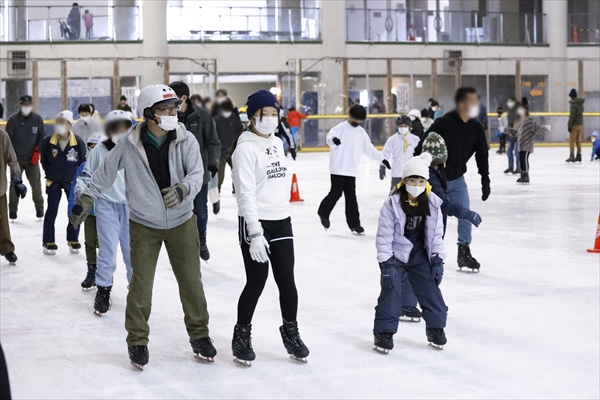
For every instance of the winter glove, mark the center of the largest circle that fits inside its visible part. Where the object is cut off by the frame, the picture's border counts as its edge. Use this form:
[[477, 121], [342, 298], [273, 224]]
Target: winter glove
[[437, 269], [174, 195], [20, 189], [81, 210], [259, 249], [293, 153], [213, 170], [485, 188], [336, 141], [35, 155], [388, 273], [382, 172], [473, 218]]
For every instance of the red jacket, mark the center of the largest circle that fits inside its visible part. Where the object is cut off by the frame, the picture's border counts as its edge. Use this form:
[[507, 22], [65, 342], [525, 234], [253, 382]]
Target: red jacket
[[294, 118]]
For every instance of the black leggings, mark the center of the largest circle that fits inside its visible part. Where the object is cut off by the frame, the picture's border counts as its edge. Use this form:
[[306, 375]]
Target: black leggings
[[524, 159], [345, 185], [280, 237]]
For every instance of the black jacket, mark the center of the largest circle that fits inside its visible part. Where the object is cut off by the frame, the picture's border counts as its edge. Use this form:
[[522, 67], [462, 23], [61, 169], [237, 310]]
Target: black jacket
[[60, 165], [463, 139], [439, 187], [25, 133], [228, 130]]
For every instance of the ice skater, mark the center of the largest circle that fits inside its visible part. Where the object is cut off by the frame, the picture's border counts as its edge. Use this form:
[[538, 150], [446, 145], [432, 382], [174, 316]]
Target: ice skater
[[262, 185], [398, 149], [595, 146], [112, 212], [410, 246], [502, 125], [528, 128], [575, 125], [62, 153], [163, 174], [348, 141], [464, 136], [512, 153]]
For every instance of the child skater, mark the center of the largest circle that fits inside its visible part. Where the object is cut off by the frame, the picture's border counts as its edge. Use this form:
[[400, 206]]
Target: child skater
[[410, 246], [528, 128], [595, 146], [262, 186], [398, 149]]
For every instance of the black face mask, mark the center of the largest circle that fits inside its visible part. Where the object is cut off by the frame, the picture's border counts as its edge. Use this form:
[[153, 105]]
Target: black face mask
[[354, 124]]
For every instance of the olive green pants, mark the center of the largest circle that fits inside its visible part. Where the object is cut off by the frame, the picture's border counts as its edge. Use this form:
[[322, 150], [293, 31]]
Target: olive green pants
[[91, 239], [183, 247]]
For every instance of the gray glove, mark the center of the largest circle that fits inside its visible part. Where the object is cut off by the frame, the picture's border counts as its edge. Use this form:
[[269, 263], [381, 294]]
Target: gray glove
[[81, 210], [174, 195]]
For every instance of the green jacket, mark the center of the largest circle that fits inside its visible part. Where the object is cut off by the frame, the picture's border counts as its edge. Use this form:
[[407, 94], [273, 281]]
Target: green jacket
[[199, 122], [576, 112]]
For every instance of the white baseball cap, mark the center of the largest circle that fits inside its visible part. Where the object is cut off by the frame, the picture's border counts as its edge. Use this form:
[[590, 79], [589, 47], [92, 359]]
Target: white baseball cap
[[66, 115]]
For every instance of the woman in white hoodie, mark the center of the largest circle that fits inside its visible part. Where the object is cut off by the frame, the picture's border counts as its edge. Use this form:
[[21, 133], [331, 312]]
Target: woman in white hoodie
[[262, 183]]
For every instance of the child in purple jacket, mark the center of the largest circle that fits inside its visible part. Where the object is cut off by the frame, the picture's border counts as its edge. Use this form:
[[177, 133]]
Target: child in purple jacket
[[410, 246]]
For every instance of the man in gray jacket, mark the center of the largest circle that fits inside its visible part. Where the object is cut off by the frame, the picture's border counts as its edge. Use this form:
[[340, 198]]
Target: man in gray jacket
[[163, 174]]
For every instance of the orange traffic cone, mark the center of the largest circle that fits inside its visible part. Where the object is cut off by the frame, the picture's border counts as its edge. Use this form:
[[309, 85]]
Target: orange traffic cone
[[295, 194], [575, 35], [596, 248]]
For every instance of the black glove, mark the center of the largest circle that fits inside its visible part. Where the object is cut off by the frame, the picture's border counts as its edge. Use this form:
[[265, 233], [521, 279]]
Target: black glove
[[485, 188], [293, 153], [20, 189], [387, 164], [213, 170], [336, 141], [388, 273], [437, 269], [473, 218], [382, 172]]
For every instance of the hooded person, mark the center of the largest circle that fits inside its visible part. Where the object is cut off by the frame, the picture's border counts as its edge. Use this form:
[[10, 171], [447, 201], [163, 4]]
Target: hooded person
[[595, 146], [575, 125], [163, 174], [399, 148]]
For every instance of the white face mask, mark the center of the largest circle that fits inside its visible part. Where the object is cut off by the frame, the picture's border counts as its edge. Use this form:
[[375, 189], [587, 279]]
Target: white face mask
[[85, 119], [61, 129], [117, 137], [26, 110], [521, 112], [267, 125], [415, 191], [226, 114], [412, 117], [221, 100], [510, 104], [474, 111], [168, 122], [434, 108], [403, 130], [594, 138]]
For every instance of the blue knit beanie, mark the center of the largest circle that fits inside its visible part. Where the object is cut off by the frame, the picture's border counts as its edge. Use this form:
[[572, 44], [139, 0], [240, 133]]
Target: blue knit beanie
[[573, 93], [260, 99]]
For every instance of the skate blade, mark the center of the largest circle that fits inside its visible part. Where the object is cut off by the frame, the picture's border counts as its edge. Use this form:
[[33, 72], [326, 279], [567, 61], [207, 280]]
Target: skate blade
[[468, 270], [83, 289], [49, 252], [410, 319], [436, 346], [299, 359], [358, 234], [242, 362], [74, 251], [381, 350], [139, 367], [98, 313], [200, 357]]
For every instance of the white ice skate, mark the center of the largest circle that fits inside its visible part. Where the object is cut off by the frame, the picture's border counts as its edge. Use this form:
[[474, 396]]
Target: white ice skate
[[50, 248]]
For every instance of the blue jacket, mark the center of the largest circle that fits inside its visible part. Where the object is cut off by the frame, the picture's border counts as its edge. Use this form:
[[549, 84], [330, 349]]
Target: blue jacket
[[72, 193], [596, 149], [438, 186], [60, 165]]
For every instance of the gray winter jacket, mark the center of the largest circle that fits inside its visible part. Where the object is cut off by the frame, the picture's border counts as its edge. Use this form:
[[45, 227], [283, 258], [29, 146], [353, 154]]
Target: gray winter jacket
[[143, 194], [390, 240]]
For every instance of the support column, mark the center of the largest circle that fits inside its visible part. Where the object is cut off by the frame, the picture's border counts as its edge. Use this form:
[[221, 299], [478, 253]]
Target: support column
[[457, 73], [116, 83], [155, 45], [345, 92], [390, 101], [299, 85], [518, 80], [580, 78], [64, 103], [434, 80], [216, 72], [557, 35], [35, 84], [166, 71]]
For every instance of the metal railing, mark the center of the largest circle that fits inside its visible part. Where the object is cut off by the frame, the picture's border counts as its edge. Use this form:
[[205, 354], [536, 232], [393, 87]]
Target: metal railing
[[387, 25], [584, 28], [243, 23], [60, 23]]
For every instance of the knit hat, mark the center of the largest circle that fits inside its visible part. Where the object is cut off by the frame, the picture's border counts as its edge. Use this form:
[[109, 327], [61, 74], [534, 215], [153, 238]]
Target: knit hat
[[573, 93], [260, 99], [67, 115], [417, 166], [435, 145]]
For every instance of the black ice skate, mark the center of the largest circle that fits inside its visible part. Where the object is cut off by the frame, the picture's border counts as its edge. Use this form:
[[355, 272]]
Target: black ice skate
[[577, 158], [436, 337], [358, 230], [90, 278], [39, 214], [524, 179], [102, 300], [241, 345], [204, 253], [12, 215], [216, 207], [384, 342], [570, 159], [410, 314], [139, 356], [508, 171], [74, 247], [325, 222], [466, 260], [204, 350], [50, 248], [292, 342], [11, 258]]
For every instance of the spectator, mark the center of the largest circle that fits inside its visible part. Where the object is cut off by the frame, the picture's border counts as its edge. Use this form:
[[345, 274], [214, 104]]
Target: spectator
[[502, 125], [74, 22], [123, 106], [86, 126], [575, 125], [88, 20], [229, 127]]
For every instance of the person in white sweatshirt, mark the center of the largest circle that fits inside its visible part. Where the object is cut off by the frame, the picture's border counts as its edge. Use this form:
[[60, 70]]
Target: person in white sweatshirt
[[398, 149], [262, 186], [112, 211], [348, 141]]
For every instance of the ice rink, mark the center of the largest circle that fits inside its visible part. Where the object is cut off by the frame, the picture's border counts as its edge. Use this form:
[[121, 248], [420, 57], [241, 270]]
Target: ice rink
[[527, 326]]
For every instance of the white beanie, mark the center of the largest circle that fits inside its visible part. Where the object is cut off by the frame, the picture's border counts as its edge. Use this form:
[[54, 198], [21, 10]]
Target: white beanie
[[417, 166], [415, 113], [66, 114]]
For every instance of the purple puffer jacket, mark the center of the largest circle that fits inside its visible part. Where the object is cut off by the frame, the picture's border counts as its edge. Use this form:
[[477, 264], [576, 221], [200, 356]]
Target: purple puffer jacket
[[391, 241]]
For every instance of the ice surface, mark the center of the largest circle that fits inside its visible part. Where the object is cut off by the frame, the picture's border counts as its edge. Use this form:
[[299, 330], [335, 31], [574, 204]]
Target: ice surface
[[527, 326]]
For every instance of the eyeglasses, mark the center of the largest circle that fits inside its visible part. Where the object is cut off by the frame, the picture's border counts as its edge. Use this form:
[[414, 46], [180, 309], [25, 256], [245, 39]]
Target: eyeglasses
[[167, 110]]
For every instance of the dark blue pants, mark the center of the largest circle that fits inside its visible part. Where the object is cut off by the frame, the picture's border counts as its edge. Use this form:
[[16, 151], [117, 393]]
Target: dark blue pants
[[201, 208], [389, 303], [54, 193]]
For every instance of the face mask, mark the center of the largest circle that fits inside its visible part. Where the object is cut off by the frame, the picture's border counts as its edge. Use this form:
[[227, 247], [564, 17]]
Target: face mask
[[85, 119], [474, 111], [26, 110], [403, 130], [168, 122], [412, 117], [434, 108], [354, 124], [521, 112], [226, 114], [221, 100], [267, 125], [60, 129], [594, 139], [510, 104], [118, 136], [415, 191]]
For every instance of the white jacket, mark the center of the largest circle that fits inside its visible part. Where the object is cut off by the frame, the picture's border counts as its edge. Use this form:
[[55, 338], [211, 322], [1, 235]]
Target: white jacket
[[344, 159], [261, 179], [398, 150]]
